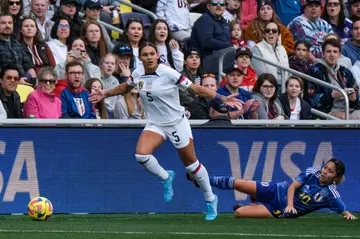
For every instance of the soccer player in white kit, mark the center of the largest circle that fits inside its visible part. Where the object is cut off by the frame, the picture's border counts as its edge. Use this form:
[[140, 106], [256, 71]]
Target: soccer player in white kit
[[158, 86]]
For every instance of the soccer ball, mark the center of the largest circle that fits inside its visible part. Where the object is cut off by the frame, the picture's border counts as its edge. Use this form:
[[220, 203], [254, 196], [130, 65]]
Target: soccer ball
[[40, 208]]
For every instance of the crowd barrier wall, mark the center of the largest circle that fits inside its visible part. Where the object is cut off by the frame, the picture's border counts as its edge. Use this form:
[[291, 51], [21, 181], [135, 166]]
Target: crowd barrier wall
[[93, 170]]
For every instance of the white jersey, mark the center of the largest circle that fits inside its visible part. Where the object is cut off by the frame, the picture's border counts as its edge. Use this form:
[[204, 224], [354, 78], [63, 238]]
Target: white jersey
[[159, 93], [175, 12]]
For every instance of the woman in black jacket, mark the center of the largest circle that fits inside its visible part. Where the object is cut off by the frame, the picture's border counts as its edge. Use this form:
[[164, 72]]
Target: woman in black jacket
[[293, 105]]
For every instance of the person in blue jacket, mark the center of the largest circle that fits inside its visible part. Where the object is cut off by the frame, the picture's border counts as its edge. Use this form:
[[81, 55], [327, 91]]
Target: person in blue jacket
[[75, 98], [211, 35]]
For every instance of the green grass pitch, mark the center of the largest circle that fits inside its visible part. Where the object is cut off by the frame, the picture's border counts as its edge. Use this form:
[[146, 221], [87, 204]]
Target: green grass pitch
[[141, 226]]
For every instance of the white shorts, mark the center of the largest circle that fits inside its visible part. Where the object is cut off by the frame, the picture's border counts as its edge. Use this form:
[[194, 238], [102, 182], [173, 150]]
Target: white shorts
[[179, 134]]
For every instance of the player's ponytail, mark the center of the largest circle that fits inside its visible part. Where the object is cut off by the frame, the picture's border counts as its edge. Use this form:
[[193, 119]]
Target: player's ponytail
[[340, 170]]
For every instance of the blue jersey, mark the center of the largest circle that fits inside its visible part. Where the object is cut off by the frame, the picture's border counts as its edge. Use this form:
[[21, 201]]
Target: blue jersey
[[311, 196]]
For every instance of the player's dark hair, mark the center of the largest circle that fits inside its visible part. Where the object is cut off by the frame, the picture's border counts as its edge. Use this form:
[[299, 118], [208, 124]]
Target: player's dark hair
[[145, 44], [340, 169]]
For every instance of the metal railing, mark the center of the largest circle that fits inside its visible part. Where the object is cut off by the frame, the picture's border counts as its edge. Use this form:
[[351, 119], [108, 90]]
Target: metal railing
[[294, 72], [133, 6]]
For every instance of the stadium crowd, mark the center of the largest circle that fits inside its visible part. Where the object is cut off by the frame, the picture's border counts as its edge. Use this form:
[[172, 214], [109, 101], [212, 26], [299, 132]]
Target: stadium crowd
[[51, 59]]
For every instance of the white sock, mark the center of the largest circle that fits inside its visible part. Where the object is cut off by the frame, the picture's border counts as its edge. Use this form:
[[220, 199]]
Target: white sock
[[202, 178], [150, 163]]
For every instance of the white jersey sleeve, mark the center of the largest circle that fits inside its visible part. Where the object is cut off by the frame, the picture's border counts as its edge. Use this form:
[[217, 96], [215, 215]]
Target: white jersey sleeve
[[181, 81]]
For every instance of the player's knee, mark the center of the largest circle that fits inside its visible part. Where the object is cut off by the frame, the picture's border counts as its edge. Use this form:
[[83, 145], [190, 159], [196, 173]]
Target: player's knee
[[237, 213], [142, 158]]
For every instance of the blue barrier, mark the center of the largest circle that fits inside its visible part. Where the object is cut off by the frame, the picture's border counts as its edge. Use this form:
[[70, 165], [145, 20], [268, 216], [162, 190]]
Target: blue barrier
[[94, 170]]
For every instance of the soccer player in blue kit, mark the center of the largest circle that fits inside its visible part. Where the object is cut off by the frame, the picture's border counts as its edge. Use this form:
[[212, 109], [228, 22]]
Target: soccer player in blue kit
[[311, 190]]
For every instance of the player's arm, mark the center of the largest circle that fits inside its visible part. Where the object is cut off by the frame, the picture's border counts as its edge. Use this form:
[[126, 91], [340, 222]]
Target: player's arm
[[121, 89], [290, 197], [347, 215], [209, 94]]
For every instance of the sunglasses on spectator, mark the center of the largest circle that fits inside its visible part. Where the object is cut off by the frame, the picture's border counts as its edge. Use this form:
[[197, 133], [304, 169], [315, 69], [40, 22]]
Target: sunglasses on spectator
[[125, 49], [14, 3], [214, 4], [50, 81], [135, 19], [268, 87], [333, 4], [208, 75], [15, 78], [268, 30], [61, 26]]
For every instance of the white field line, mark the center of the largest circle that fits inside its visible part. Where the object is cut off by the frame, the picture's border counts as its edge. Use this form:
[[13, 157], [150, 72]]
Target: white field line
[[182, 233]]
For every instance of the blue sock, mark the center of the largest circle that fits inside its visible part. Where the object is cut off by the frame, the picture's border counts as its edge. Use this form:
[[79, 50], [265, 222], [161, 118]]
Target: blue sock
[[222, 182]]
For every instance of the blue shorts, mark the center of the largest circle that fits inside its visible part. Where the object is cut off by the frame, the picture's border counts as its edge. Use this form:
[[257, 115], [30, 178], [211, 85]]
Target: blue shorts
[[266, 194]]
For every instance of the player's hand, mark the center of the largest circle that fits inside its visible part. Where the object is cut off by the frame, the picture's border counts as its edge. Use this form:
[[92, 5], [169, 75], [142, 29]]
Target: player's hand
[[173, 44], [234, 102], [97, 96], [349, 216], [290, 209], [124, 70]]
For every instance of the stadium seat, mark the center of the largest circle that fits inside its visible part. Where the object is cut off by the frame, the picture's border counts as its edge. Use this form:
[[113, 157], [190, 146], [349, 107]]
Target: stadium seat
[[193, 17], [145, 19]]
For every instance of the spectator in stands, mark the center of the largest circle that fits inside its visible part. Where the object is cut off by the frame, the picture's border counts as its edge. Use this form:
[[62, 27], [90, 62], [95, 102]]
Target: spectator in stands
[[328, 70], [211, 35], [9, 79], [234, 78], [3, 114], [270, 49], [256, 29], [11, 50], [60, 33], [354, 9], [264, 92], [351, 48], [293, 106], [334, 14], [236, 35], [301, 62], [43, 103], [92, 9], [33, 46], [128, 106], [124, 55], [176, 14], [168, 48], [199, 108], [147, 4], [247, 12], [74, 98], [232, 11], [94, 40], [311, 27], [343, 60], [44, 23], [192, 72], [16, 9], [219, 116], [108, 66], [69, 10], [91, 86], [287, 10], [134, 36]]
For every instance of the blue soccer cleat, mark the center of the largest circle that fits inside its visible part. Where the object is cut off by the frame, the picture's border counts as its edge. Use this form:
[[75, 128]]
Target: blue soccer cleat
[[168, 190], [211, 209]]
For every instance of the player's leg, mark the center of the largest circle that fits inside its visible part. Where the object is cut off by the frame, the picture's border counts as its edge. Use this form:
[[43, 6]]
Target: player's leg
[[181, 136], [149, 140], [253, 211], [244, 186]]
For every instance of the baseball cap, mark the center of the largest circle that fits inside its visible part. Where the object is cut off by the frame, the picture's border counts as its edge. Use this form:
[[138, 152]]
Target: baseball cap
[[92, 4], [264, 3], [233, 68], [191, 51], [312, 1], [219, 106], [65, 2], [122, 49], [243, 51], [353, 1]]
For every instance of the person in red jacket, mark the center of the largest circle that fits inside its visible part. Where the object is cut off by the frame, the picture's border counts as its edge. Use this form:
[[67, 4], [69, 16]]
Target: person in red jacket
[[243, 59]]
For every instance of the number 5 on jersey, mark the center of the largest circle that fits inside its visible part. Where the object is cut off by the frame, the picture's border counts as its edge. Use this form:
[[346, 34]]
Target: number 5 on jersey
[[148, 94]]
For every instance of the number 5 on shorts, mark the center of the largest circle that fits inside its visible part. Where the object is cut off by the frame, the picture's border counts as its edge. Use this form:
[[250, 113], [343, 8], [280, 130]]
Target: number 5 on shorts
[[177, 139]]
